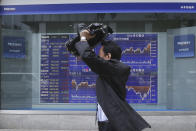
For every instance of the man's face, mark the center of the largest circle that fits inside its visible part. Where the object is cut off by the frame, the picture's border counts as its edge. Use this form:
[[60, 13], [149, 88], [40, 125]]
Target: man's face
[[103, 55]]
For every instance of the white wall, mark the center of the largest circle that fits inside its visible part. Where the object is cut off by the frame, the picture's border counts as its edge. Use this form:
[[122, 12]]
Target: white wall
[[29, 2]]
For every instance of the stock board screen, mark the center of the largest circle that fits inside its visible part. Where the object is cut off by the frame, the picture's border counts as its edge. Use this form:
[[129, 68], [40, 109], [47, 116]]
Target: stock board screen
[[66, 79]]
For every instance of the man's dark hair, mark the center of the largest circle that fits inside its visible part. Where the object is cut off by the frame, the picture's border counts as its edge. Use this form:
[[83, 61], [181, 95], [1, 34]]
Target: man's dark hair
[[112, 48]]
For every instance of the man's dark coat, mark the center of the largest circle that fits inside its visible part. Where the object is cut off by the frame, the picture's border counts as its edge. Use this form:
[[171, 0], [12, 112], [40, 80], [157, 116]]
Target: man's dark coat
[[110, 90]]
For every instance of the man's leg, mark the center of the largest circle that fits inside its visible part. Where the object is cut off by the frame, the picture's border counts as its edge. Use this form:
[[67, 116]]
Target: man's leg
[[104, 126]]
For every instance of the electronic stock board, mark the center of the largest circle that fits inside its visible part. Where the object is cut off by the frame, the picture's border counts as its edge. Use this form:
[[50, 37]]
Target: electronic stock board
[[66, 79]]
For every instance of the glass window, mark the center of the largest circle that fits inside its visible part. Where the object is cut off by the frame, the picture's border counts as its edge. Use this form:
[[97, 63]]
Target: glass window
[[37, 72]]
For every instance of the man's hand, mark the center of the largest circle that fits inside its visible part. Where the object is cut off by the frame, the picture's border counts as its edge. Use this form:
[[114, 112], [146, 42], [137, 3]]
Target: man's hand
[[85, 34]]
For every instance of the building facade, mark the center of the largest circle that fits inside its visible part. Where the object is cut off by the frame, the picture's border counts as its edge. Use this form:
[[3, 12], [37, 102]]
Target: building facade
[[157, 39]]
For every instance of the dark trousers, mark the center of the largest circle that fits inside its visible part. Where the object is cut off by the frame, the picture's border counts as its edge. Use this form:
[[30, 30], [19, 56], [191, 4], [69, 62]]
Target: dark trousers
[[105, 126]]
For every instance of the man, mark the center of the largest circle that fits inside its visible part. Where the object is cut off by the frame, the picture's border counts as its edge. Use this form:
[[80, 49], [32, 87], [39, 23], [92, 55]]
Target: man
[[114, 113]]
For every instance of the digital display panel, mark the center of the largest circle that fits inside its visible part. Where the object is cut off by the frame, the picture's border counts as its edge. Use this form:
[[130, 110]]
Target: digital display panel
[[184, 46], [54, 83], [14, 47], [66, 79], [139, 51]]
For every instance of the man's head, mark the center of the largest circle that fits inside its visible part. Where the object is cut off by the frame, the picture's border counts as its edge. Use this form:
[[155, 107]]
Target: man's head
[[110, 50]]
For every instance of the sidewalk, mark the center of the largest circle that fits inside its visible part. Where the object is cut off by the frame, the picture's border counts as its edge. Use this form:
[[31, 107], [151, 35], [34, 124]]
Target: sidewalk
[[72, 121], [40, 130]]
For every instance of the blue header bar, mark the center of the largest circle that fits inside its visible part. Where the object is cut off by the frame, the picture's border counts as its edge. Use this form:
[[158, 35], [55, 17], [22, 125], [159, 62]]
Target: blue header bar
[[98, 8]]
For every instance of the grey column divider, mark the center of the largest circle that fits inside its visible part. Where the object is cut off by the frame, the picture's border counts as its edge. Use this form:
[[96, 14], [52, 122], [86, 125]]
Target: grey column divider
[[0, 56]]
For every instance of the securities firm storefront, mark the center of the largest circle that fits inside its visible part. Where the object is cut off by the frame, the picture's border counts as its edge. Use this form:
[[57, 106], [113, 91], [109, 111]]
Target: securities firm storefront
[[38, 73]]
